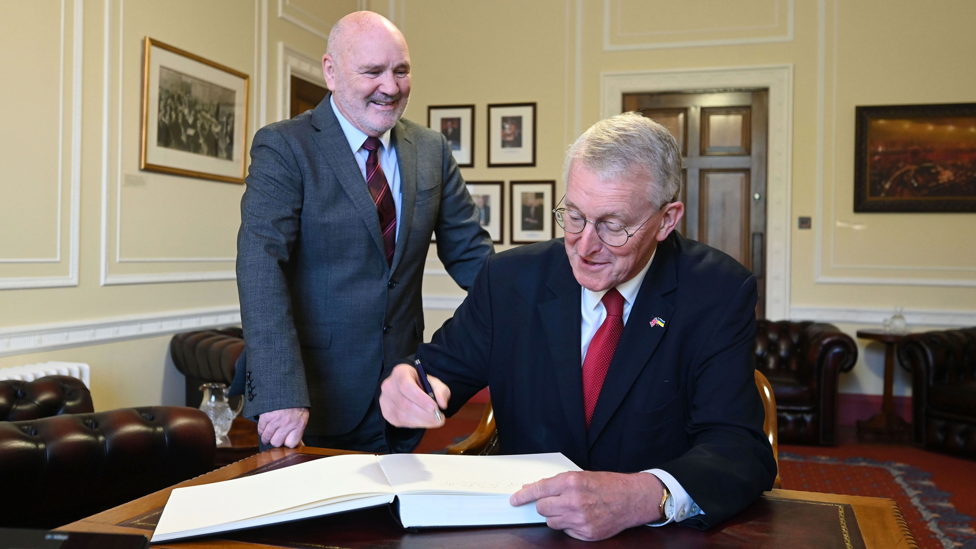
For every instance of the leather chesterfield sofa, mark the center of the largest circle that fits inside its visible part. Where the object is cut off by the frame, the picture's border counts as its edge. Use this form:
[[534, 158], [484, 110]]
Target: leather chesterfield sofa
[[802, 361], [206, 356], [62, 468], [943, 367]]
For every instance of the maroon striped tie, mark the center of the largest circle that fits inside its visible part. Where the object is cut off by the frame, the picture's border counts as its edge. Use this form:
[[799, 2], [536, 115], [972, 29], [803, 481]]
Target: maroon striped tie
[[600, 352], [382, 197]]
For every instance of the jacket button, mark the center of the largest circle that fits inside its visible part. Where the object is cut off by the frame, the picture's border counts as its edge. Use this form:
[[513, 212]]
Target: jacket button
[[392, 284], [386, 329]]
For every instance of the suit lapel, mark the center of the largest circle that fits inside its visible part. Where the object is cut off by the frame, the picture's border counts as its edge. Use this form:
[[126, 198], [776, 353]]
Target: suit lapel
[[561, 322], [335, 147], [407, 161], [639, 340]]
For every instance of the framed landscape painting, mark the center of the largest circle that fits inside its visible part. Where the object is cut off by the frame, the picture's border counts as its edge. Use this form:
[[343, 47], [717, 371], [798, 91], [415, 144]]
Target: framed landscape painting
[[915, 158], [194, 115]]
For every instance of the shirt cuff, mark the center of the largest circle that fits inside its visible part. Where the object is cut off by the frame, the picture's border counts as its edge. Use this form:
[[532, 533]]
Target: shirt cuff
[[682, 506]]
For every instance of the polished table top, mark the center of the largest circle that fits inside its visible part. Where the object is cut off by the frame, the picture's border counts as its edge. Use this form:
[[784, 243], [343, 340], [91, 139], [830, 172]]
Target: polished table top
[[780, 518]]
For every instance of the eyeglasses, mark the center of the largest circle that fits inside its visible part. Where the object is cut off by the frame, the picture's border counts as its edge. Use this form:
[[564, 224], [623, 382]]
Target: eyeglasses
[[612, 234]]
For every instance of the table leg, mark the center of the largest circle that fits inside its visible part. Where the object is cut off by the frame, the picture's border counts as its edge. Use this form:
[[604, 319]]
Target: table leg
[[886, 425]]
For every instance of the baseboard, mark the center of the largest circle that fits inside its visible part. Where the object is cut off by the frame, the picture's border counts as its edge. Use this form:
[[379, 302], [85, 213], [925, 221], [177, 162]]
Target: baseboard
[[852, 408]]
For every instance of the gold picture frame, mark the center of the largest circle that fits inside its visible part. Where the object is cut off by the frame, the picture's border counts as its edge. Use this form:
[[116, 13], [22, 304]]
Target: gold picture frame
[[199, 111]]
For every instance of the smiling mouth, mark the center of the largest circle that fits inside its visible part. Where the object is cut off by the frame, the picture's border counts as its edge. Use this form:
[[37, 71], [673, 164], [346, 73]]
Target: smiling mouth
[[390, 102], [591, 263]]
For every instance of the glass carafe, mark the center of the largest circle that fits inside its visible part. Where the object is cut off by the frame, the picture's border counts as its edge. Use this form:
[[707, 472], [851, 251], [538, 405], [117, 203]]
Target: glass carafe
[[217, 408]]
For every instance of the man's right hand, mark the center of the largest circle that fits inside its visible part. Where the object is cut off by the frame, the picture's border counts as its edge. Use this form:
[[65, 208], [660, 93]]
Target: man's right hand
[[283, 427], [405, 404]]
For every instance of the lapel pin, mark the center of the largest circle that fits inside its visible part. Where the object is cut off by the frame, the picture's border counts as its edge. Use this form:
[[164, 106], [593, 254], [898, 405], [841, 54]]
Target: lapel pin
[[657, 322]]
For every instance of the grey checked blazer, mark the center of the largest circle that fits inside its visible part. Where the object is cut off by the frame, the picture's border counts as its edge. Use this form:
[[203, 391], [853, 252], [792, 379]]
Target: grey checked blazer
[[324, 315]]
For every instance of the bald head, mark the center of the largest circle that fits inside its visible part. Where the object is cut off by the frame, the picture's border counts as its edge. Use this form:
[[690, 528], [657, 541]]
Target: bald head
[[367, 67], [351, 29]]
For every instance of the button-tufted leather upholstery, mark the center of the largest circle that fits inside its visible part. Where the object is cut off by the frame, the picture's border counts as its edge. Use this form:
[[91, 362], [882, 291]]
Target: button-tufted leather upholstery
[[802, 361], [47, 396], [206, 356], [943, 366], [60, 469]]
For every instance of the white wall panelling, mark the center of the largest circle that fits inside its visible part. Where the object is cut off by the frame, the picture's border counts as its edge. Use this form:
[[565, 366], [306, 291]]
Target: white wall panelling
[[114, 25], [50, 337], [291, 12], [875, 316], [612, 28], [828, 53], [74, 182], [292, 62], [778, 79]]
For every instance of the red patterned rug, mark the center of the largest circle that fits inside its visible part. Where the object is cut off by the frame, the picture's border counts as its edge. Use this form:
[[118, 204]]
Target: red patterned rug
[[932, 518]]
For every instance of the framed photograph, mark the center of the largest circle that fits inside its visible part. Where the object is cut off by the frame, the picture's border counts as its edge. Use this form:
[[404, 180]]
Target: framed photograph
[[511, 135], [456, 123], [915, 158], [194, 115], [489, 197], [532, 219]]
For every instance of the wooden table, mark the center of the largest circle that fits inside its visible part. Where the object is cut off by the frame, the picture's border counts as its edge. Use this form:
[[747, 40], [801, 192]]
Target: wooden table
[[241, 442], [886, 425], [876, 521]]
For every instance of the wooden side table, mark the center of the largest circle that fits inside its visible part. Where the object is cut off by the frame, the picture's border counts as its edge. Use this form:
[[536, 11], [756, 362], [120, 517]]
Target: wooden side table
[[886, 425]]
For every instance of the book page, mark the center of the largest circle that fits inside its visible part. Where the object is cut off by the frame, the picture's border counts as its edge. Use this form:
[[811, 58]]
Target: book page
[[489, 475], [297, 488]]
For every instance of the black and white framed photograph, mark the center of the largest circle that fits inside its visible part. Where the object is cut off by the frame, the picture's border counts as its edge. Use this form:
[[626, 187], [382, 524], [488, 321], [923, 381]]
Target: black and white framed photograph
[[489, 197], [194, 115], [511, 134], [456, 124], [531, 218]]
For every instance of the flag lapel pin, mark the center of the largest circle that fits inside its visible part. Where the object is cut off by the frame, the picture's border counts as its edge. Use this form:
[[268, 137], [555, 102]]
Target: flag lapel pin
[[657, 322]]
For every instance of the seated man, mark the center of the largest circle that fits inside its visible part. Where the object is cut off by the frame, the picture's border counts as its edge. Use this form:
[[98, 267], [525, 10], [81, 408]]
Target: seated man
[[626, 347]]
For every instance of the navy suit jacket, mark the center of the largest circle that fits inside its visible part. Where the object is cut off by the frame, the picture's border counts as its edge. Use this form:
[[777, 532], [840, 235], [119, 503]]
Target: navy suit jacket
[[681, 398], [323, 313]]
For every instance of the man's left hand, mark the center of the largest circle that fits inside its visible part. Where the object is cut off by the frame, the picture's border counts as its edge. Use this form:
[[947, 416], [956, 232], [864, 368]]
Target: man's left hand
[[591, 505]]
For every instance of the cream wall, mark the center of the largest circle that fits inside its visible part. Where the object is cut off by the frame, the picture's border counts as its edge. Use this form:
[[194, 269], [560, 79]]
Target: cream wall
[[100, 262]]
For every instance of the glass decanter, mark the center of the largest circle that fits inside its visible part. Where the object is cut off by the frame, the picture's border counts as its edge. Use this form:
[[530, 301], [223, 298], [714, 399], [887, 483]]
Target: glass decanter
[[217, 408], [898, 324]]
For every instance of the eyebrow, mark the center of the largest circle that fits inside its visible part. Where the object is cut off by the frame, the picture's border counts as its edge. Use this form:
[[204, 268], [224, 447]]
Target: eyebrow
[[381, 67], [613, 214]]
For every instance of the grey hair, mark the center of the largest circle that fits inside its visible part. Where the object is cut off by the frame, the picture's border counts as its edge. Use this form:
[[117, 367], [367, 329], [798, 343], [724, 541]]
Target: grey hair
[[632, 147]]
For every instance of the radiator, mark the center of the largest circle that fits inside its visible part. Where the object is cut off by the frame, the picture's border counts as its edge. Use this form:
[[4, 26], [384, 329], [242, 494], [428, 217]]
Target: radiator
[[30, 372]]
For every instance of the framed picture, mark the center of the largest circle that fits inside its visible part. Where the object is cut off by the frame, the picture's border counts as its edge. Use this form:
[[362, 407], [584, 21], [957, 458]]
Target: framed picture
[[511, 135], [532, 219], [456, 123], [915, 158], [489, 197], [194, 115]]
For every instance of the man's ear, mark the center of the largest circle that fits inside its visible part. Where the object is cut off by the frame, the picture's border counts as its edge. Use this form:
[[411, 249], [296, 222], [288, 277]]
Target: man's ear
[[328, 70], [673, 213]]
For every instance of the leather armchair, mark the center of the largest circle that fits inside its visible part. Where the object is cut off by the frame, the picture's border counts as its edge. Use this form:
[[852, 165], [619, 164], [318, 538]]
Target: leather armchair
[[802, 361], [62, 468], [47, 396], [206, 356], [943, 367]]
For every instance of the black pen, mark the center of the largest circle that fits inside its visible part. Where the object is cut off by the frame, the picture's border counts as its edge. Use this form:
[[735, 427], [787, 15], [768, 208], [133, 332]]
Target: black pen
[[426, 386]]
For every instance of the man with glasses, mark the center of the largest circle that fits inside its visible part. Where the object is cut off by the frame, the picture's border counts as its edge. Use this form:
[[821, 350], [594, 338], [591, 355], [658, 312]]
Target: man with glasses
[[625, 346]]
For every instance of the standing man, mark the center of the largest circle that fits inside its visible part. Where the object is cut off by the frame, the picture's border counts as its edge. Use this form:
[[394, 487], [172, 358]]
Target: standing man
[[626, 347], [337, 218]]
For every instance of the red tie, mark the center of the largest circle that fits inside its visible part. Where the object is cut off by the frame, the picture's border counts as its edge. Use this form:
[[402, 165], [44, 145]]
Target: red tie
[[600, 352], [380, 191]]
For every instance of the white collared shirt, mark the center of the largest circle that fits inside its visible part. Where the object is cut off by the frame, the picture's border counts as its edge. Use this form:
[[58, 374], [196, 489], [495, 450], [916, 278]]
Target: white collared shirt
[[387, 157], [593, 313]]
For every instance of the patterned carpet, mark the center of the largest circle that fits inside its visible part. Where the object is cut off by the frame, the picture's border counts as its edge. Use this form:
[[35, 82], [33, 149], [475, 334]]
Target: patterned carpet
[[931, 517]]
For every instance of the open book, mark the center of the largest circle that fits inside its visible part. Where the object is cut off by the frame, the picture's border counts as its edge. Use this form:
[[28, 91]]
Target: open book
[[433, 490]]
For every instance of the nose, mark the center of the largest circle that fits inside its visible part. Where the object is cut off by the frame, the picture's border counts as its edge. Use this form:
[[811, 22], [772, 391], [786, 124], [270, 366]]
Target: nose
[[589, 242], [388, 84]]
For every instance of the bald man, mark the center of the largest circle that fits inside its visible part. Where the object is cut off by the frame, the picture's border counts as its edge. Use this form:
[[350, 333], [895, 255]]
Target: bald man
[[336, 222]]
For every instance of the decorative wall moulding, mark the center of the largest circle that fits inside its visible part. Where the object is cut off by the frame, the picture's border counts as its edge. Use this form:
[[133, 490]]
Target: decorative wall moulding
[[916, 318], [50, 337]]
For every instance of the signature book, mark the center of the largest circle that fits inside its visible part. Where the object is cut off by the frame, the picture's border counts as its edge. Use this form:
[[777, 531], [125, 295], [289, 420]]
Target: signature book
[[430, 491]]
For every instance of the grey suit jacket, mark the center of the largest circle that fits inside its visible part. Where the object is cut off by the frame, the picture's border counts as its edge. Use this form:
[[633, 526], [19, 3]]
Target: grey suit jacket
[[324, 315]]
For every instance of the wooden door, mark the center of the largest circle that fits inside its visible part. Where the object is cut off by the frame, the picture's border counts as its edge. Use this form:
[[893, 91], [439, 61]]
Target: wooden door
[[305, 96], [722, 136]]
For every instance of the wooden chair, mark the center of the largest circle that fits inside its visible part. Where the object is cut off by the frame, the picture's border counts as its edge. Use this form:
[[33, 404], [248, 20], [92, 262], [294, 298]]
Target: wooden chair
[[484, 440]]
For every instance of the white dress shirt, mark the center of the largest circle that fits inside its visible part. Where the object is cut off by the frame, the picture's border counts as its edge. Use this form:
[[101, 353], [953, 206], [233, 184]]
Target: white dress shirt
[[387, 157], [594, 313]]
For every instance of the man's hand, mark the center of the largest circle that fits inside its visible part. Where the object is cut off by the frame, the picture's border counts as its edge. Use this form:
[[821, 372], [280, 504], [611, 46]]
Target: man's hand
[[283, 427], [591, 505], [405, 404]]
